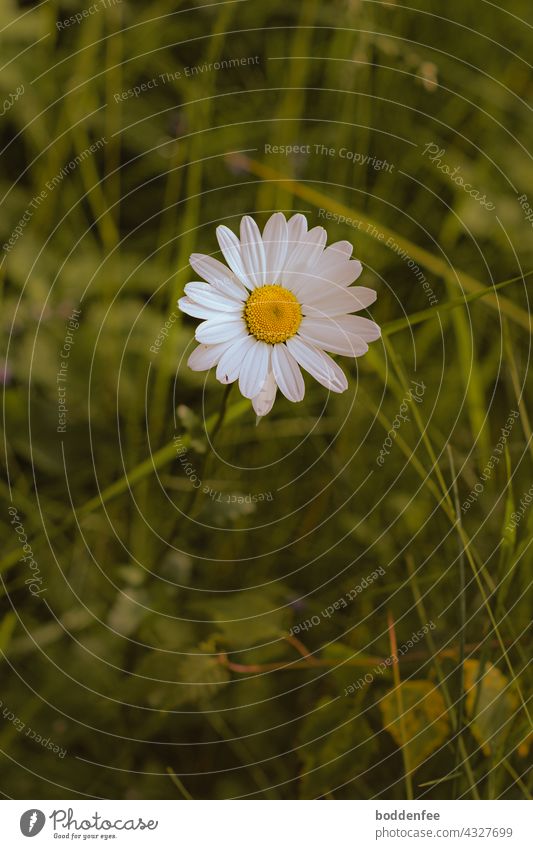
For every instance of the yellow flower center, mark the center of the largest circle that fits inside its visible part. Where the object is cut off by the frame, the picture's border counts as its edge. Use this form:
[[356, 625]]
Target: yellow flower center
[[272, 314]]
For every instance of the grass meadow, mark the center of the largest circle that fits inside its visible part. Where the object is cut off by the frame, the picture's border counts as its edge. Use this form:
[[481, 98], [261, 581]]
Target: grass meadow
[[334, 602]]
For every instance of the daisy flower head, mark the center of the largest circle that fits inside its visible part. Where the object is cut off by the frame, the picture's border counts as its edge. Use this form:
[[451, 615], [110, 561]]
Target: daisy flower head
[[279, 304]]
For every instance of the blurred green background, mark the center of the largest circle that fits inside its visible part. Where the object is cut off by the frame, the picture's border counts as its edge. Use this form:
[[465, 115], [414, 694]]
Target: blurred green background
[[160, 651]]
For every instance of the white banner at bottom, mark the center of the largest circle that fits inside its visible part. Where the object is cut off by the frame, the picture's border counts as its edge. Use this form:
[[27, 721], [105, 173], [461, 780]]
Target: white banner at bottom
[[268, 824]]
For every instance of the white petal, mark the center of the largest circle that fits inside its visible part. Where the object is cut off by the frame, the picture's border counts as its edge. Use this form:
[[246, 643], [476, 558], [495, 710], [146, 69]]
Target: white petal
[[333, 300], [264, 401], [304, 284], [275, 242], [337, 251], [233, 288], [230, 247], [252, 251], [296, 230], [367, 330], [287, 373], [254, 369], [317, 236], [230, 364], [218, 275], [308, 250], [341, 273], [221, 329], [205, 357], [198, 310], [319, 279], [331, 335], [203, 293], [318, 364]]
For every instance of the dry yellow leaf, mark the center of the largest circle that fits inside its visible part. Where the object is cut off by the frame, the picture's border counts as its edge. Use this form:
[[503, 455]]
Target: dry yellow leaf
[[490, 704], [424, 722]]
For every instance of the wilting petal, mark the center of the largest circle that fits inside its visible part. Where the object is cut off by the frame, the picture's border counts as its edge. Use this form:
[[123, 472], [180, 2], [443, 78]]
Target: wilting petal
[[264, 401]]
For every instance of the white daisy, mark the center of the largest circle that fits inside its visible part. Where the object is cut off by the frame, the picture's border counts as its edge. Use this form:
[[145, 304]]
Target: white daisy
[[283, 301]]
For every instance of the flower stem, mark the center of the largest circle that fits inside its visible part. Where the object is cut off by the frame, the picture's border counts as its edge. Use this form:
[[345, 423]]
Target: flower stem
[[193, 498]]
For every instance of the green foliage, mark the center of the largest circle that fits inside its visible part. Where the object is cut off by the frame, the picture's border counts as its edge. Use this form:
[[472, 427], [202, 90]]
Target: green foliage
[[185, 630], [335, 749]]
